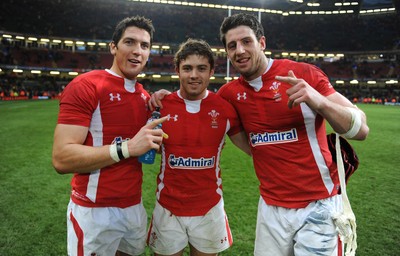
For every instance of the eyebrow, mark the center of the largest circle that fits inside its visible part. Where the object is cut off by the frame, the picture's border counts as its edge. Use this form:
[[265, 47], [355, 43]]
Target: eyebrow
[[243, 38], [134, 39], [199, 66]]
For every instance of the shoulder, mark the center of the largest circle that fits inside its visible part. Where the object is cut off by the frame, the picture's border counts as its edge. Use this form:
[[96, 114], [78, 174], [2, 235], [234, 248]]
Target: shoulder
[[86, 84], [227, 90], [307, 71], [92, 74], [227, 86], [89, 78], [217, 98], [303, 67], [172, 96], [171, 99], [220, 102], [140, 88]]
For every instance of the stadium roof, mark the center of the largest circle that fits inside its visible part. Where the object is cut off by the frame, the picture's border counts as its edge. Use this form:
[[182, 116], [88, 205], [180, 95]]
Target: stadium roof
[[300, 5]]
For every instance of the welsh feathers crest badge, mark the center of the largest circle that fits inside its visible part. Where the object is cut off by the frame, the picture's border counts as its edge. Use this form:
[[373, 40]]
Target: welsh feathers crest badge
[[275, 89], [214, 116]]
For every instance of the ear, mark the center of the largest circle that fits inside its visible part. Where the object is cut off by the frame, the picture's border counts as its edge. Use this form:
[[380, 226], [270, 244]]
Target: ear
[[113, 48], [212, 72], [263, 43]]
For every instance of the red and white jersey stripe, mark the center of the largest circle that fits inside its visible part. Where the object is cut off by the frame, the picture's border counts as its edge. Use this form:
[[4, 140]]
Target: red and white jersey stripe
[[289, 146], [189, 182], [110, 106]]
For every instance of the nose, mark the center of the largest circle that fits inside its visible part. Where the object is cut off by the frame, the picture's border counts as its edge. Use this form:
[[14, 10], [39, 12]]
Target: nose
[[239, 48], [137, 49], [194, 73]]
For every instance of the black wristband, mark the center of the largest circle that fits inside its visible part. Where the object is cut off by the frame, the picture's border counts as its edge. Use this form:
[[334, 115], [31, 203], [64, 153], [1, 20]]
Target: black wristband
[[118, 142]]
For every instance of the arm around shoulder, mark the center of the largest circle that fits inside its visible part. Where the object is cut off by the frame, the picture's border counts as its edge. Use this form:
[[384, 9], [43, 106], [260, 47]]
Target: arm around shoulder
[[157, 97], [240, 140]]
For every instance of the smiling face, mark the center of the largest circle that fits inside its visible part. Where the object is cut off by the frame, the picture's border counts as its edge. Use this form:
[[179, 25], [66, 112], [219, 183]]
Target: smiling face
[[131, 52], [245, 52], [194, 76]]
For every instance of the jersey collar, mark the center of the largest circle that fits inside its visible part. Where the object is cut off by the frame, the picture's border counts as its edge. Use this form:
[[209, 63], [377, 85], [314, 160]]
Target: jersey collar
[[129, 85], [257, 83]]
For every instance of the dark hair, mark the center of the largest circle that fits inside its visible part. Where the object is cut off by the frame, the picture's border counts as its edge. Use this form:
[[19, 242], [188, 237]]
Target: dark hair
[[240, 19], [191, 47], [136, 21]]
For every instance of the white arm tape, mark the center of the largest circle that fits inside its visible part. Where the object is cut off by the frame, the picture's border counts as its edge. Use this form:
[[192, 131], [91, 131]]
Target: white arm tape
[[125, 150], [113, 153], [355, 123]]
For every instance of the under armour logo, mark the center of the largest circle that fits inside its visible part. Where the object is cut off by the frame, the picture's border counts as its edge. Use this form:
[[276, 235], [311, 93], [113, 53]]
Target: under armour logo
[[143, 97], [243, 96], [112, 97], [223, 240], [153, 238], [175, 117]]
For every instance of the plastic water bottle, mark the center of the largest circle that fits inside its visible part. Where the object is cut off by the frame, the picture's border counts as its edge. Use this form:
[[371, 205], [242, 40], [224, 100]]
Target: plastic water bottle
[[149, 156]]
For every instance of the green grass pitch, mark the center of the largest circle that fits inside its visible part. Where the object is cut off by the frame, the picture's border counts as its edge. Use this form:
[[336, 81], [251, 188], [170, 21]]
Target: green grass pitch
[[34, 197]]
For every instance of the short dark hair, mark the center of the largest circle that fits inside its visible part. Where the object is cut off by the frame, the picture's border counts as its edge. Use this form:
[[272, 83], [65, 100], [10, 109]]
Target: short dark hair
[[191, 47], [135, 21], [240, 19]]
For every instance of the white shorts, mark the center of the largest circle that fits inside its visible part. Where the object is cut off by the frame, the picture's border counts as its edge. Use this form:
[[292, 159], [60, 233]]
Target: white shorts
[[104, 230], [169, 234], [306, 231]]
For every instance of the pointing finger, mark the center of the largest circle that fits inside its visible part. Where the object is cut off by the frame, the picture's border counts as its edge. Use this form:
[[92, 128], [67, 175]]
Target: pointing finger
[[156, 122], [290, 78], [291, 74]]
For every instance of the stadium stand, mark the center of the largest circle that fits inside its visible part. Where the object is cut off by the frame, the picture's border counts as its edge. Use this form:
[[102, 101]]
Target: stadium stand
[[370, 43]]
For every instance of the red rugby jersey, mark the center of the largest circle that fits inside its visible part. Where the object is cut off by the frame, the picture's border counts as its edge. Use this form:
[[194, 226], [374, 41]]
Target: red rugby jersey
[[189, 182], [290, 151], [110, 106]]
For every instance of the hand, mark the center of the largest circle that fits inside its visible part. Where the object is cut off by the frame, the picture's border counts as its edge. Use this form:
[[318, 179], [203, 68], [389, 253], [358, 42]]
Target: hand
[[300, 92], [155, 100], [147, 138]]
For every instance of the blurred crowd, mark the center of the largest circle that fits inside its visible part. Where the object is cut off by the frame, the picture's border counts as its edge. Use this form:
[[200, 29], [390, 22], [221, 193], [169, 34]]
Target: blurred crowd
[[95, 19], [32, 85]]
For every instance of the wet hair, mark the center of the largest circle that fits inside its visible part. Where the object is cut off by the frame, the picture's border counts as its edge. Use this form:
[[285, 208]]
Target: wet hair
[[240, 19], [194, 47], [135, 21]]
